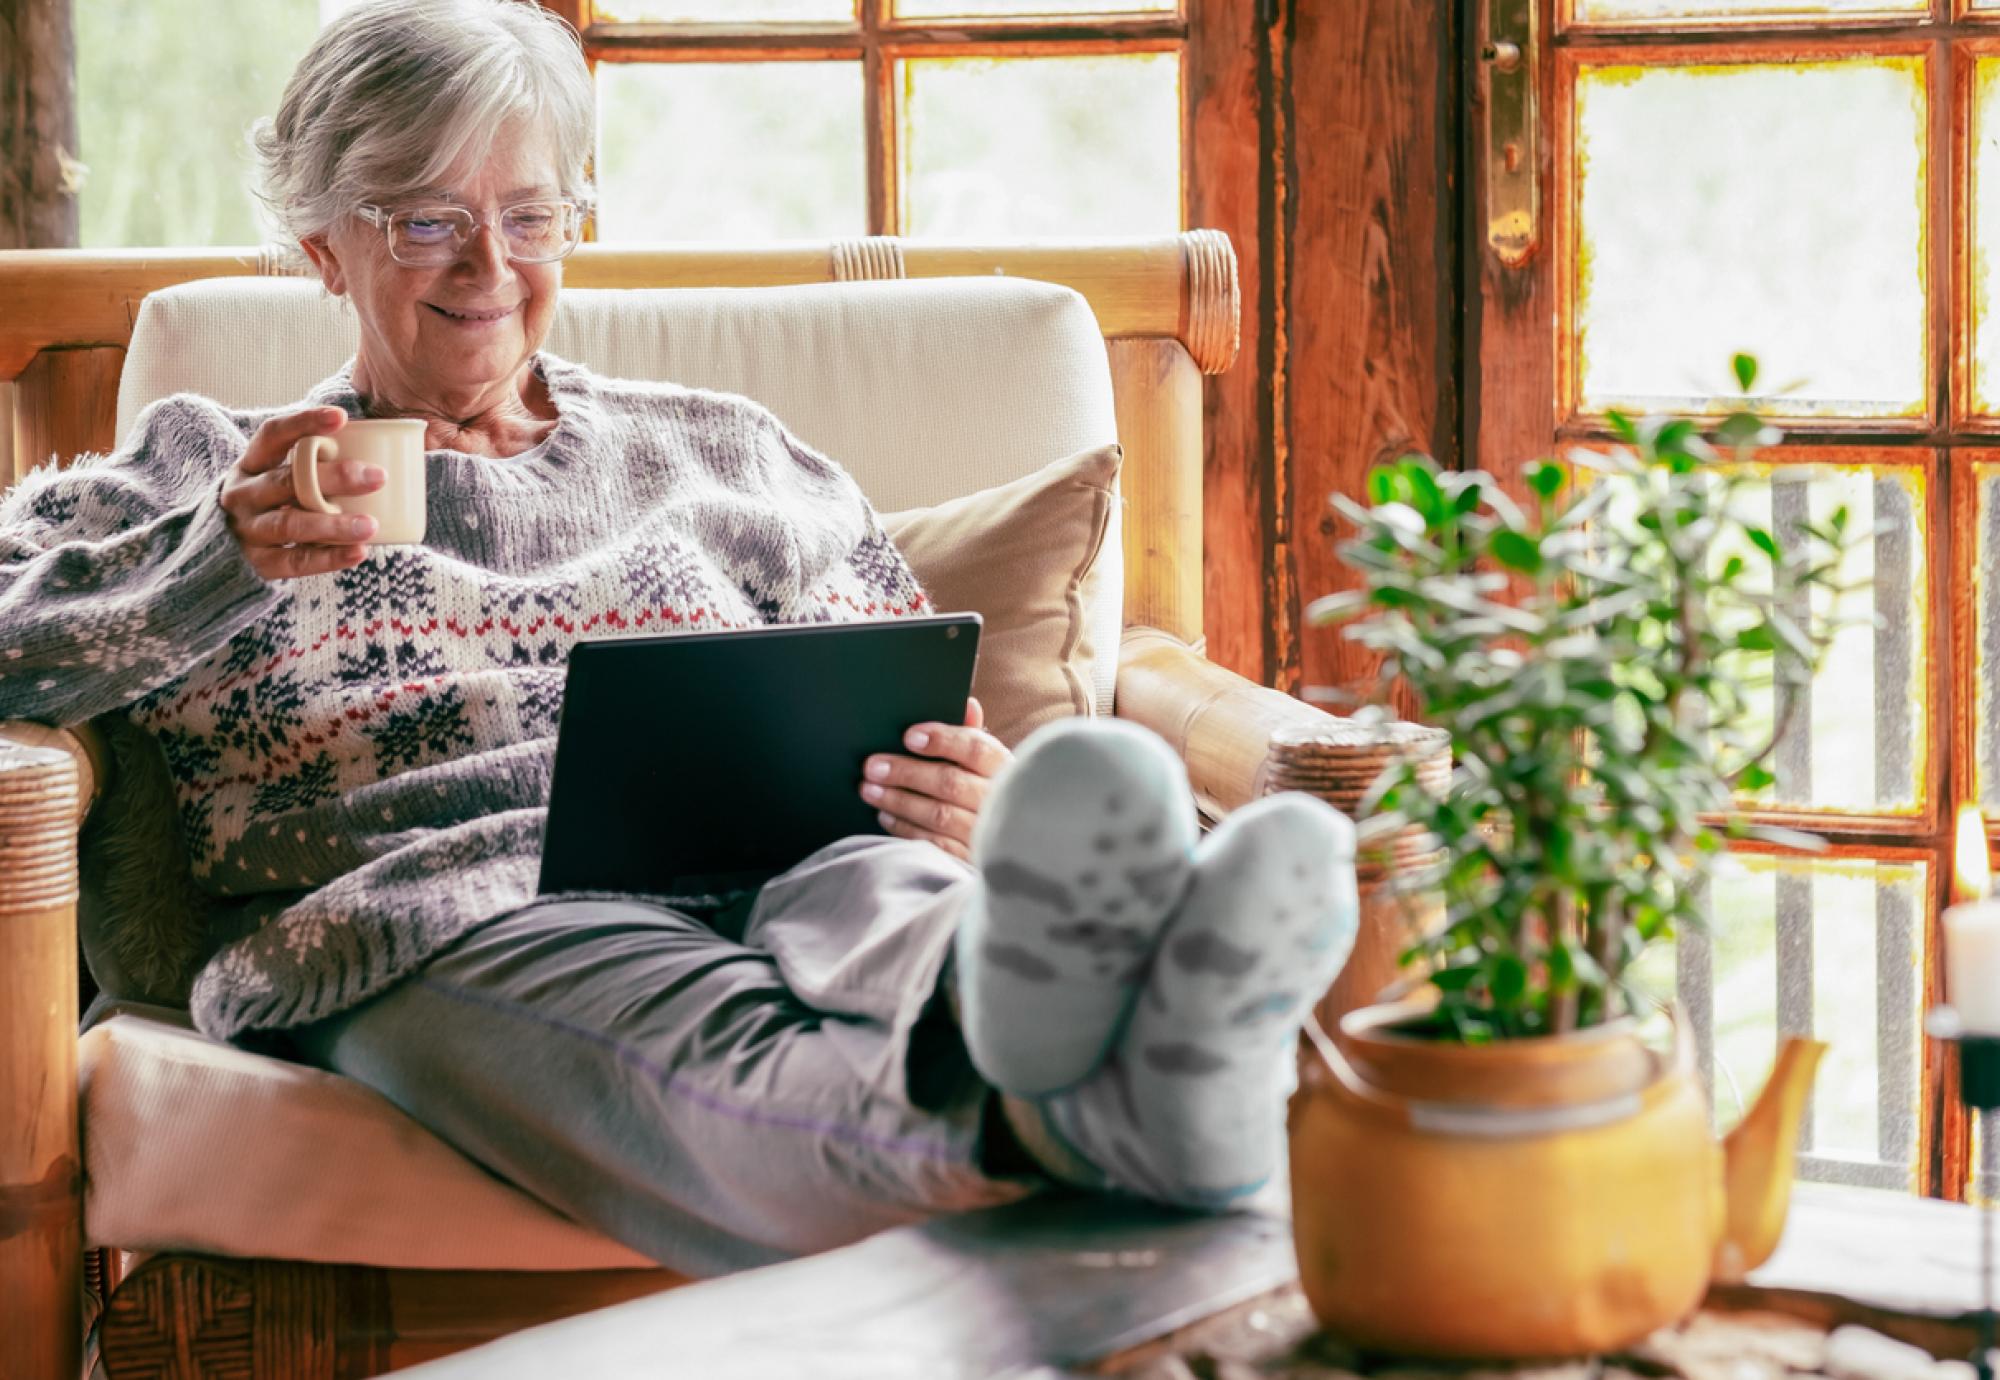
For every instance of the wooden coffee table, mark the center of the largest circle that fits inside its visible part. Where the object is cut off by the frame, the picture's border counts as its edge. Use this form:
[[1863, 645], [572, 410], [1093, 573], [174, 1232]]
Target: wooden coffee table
[[1062, 1285]]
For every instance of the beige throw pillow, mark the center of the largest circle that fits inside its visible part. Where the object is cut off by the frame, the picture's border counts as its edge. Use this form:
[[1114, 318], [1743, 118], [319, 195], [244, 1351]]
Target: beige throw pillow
[[1024, 556]]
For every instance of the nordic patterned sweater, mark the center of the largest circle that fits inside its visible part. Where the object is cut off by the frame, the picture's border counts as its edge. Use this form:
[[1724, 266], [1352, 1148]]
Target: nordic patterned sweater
[[366, 755]]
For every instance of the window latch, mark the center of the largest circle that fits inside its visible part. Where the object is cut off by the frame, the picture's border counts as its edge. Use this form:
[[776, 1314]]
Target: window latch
[[1508, 58]]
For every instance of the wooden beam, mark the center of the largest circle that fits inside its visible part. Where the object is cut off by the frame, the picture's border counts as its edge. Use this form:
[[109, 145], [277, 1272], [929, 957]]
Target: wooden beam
[[1183, 286], [1513, 367], [38, 144], [65, 404], [1157, 392], [1230, 145], [1370, 305]]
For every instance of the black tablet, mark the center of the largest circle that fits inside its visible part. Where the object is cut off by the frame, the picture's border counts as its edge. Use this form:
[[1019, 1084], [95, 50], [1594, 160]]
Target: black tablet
[[690, 765]]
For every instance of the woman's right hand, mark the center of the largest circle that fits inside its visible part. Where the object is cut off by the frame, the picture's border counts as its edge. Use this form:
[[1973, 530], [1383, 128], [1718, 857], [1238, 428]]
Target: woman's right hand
[[282, 540]]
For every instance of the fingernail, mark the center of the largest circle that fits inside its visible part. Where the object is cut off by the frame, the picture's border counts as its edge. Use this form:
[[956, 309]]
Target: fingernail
[[360, 526], [871, 792], [885, 817], [878, 770], [373, 475], [916, 738]]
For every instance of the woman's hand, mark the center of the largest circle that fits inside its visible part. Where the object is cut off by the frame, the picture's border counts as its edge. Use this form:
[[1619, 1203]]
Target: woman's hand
[[282, 540], [937, 801]]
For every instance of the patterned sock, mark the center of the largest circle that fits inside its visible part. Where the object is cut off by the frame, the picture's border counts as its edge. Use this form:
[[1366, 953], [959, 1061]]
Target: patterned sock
[[1190, 1106], [1083, 849]]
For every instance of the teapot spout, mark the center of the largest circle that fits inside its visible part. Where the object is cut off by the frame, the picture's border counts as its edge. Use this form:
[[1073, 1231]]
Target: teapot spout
[[1758, 1163]]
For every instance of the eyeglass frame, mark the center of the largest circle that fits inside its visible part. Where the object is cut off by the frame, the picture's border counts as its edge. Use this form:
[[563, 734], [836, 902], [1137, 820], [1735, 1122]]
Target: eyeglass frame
[[384, 218]]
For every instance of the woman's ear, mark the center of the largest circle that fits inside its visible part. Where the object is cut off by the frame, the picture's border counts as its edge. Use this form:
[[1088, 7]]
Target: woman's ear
[[320, 251]]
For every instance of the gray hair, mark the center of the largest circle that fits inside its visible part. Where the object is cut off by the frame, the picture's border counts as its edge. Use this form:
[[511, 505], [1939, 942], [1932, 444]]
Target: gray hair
[[393, 96]]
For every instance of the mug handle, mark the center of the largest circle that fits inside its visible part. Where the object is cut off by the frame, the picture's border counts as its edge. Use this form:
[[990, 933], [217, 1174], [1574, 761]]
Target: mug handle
[[305, 458]]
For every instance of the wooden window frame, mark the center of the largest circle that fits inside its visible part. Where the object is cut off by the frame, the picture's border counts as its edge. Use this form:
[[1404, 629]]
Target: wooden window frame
[[880, 42]]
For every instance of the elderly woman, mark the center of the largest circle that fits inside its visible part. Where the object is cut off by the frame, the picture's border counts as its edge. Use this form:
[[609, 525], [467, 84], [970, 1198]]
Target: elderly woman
[[1035, 972]]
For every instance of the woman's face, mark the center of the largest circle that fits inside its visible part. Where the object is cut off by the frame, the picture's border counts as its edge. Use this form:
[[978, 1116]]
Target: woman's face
[[452, 336]]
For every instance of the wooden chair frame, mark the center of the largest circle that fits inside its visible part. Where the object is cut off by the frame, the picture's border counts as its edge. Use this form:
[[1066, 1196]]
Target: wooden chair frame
[[1169, 309]]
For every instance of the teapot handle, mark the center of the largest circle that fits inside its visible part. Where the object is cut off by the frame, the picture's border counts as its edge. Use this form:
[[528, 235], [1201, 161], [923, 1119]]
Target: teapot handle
[[1339, 1077]]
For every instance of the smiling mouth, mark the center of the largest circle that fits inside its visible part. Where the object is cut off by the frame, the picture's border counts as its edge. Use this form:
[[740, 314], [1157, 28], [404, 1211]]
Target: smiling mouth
[[471, 317]]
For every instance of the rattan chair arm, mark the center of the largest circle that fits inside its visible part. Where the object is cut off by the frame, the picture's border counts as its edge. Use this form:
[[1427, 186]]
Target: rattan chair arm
[[82, 742], [41, 1172], [1221, 723]]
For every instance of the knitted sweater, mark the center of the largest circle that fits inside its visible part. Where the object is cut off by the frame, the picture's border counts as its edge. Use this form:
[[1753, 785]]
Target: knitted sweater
[[366, 755]]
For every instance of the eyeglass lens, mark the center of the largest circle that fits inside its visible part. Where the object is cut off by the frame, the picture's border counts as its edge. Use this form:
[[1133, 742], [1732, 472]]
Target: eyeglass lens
[[534, 232]]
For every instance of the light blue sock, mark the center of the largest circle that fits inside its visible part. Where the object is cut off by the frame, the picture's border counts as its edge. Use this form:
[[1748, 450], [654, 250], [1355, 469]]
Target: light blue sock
[[1083, 848], [1190, 1106]]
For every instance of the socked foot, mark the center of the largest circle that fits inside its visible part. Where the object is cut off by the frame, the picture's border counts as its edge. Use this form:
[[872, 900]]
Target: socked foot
[[1083, 850], [1189, 1106]]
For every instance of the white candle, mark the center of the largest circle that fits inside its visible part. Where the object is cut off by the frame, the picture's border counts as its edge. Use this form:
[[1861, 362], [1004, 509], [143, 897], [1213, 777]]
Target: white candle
[[1972, 933]]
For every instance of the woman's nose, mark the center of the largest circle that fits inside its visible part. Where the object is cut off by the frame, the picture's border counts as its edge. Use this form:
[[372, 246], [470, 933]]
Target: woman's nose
[[486, 254]]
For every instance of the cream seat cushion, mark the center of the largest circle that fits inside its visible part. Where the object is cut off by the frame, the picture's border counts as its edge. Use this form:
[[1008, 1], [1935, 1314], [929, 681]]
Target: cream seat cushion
[[198, 1146]]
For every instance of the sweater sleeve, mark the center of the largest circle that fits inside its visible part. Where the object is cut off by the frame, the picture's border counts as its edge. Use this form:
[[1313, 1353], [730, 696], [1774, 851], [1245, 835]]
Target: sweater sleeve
[[119, 573], [847, 566]]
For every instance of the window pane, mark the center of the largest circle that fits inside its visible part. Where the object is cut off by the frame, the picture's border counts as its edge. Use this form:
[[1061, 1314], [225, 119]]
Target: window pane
[[164, 109], [1025, 9], [1722, 209], [996, 147], [1986, 633], [721, 11], [1857, 740], [730, 151], [1828, 948], [1985, 217], [1602, 10]]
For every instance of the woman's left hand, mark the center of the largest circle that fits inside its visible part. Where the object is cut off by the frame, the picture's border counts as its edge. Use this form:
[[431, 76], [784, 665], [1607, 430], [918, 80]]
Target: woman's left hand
[[936, 800]]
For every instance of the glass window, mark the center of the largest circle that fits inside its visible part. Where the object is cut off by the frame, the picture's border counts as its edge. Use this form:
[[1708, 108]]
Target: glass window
[[730, 151], [1603, 11], [1984, 217], [1025, 9], [1717, 211], [721, 11], [1005, 147], [1826, 947], [1985, 647], [1856, 742], [164, 109]]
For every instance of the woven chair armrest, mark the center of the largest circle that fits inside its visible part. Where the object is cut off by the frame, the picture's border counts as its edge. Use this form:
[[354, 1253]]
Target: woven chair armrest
[[1222, 724], [83, 743]]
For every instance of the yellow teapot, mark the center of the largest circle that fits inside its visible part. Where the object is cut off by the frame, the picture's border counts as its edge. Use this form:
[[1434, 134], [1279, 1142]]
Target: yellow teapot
[[1527, 1198]]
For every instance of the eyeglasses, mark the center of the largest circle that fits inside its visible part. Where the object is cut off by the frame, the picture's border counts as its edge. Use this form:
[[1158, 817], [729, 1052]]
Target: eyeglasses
[[535, 232]]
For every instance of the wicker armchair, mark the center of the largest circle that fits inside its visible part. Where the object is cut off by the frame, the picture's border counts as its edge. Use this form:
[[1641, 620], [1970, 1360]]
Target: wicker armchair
[[1167, 312]]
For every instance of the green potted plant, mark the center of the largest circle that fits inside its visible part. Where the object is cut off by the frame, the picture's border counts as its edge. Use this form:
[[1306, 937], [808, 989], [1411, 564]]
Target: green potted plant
[[1509, 1141]]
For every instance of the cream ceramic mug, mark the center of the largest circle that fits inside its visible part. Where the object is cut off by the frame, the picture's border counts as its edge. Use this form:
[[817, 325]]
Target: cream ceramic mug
[[394, 445]]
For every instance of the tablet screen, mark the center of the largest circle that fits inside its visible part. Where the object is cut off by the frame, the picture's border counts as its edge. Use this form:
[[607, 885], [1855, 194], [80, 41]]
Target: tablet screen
[[694, 764]]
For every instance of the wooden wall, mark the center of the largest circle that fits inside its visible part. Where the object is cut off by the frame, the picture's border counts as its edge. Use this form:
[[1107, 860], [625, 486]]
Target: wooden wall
[[1232, 100], [1325, 142]]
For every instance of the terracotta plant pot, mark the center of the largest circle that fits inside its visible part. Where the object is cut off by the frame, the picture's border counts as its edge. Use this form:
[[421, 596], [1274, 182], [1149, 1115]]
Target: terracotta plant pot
[[1531, 1198]]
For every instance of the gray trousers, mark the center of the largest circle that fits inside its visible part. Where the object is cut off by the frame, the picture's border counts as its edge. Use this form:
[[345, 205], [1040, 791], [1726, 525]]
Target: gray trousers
[[715, 1094]]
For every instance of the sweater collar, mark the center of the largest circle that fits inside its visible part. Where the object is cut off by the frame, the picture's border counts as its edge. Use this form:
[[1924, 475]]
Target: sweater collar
[[561, 378]]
